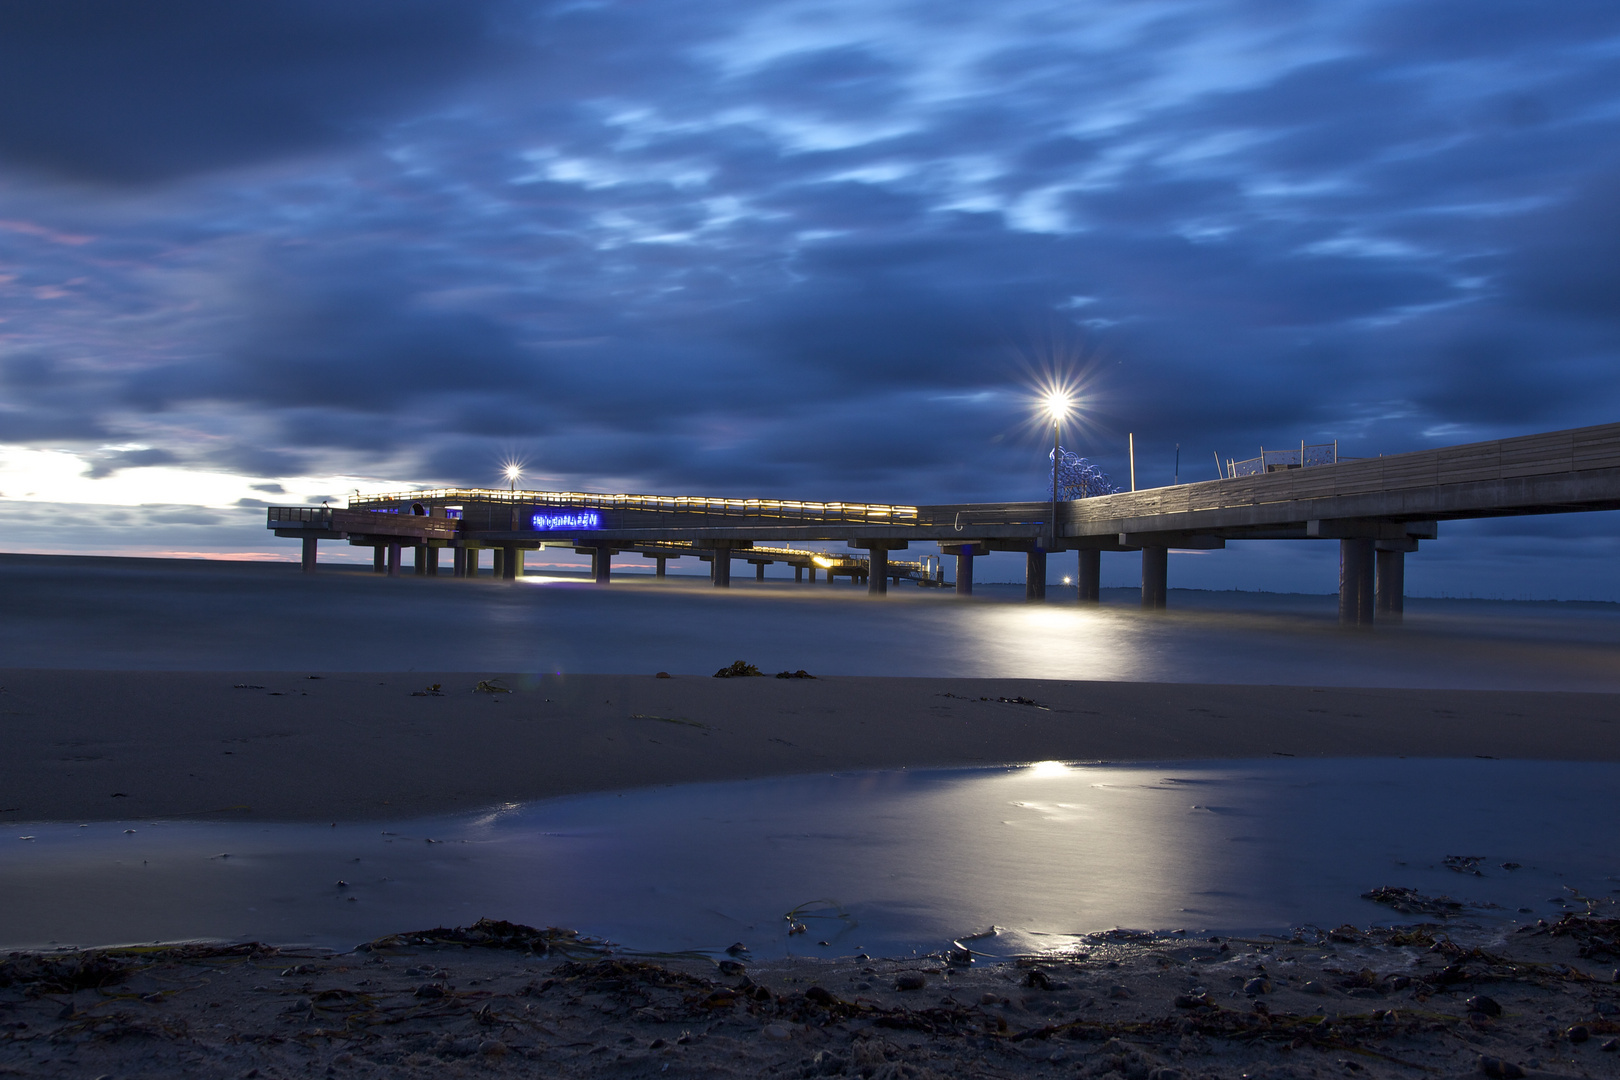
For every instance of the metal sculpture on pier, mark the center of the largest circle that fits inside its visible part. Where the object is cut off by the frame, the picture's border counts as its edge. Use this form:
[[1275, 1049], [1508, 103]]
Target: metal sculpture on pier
[[1078, 478]]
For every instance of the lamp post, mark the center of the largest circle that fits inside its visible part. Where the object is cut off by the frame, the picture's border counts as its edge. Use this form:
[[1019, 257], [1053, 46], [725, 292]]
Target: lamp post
[[1057, 406], [513, 471]]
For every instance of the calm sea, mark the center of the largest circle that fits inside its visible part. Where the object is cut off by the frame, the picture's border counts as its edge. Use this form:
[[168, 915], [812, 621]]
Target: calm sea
[[66, 612]]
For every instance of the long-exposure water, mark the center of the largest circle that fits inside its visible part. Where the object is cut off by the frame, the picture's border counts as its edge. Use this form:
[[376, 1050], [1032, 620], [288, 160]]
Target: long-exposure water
[[907, 860], [130, 614]]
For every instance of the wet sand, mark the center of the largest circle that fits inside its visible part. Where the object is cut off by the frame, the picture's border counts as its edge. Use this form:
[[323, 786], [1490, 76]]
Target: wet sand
[[103, 745], [1383, 1004]]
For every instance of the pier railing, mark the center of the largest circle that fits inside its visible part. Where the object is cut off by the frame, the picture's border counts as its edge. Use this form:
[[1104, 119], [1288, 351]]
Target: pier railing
[[777, 510]]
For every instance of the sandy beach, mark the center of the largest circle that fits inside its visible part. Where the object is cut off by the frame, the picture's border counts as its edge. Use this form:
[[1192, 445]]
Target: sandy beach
[[1440, 999], [99, 745]]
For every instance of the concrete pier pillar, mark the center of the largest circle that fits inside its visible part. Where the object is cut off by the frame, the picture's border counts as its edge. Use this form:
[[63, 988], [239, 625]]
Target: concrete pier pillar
[[1089, 577], [307, 563], [1391, 585], [1355, 582], [393, 560], [722, 568], [511, 563], [964, 572], [759, 571], [418, 559], [472, 562], [798, 573], [379, 559], [601, 564], [1155, 576], [877, 577], [659, 572], [1035, 574], [499, 560], [431, 553], [812, 569], [458, 562]]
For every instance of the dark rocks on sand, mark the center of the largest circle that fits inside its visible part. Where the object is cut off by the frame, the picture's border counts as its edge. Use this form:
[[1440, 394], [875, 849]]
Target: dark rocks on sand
[[1578, 1034], [911, 980], [430, 990], [731, 968], [1479, 1003], [1497, 1069], [1257, 986]]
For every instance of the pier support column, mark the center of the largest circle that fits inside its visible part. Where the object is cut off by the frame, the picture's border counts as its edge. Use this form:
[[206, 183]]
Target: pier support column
[[432, 555], [798, 573], [1035, 574], [812, 569], [307, 563], [964, 572], [511, 563], [1391, 584], [458, 562], [1355, 582], [877, 579], [659, 572], [1089, 577], [722, 567], [379, 559], [499, 560], [419, 559], [1155, 576], [472, 557], [393, 560], [759, 571], [601, 564]]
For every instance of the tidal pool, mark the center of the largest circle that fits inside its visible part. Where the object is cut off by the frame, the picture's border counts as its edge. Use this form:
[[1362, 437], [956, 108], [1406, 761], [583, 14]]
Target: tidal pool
[[885, 863]]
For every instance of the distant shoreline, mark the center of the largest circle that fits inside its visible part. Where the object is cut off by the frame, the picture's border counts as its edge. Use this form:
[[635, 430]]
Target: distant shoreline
[[104, 745]]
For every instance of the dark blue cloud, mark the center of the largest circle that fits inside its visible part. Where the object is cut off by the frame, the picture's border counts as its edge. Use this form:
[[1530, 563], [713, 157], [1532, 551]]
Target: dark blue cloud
[[116, 92]]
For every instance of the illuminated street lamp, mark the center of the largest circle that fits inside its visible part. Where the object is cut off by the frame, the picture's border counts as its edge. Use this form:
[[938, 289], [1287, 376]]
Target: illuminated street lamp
[[512, 474], [1058, 405]]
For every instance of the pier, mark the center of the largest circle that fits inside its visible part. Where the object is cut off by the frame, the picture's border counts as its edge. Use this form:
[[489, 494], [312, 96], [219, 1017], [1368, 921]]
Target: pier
[[1378, 509]]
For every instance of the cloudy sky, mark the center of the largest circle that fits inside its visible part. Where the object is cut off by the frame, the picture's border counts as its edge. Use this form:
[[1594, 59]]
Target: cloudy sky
[[276, 252]]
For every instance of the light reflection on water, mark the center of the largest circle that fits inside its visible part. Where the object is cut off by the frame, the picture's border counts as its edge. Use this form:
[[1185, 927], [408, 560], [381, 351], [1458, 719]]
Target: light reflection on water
[[153, 615], [912, 859]]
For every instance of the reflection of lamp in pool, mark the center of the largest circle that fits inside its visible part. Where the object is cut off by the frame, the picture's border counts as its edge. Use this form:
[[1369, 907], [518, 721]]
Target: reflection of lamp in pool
[[1048, 768]]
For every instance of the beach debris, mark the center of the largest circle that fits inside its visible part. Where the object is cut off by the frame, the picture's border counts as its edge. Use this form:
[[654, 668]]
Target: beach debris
[[314, 676], [492, 934], [491, 686], [431, 691], [800, 674], [663, 675], [119, 795], [247, 686], [739, 669], [1464, 864], [1041, 979], [1411, 902], [1020, 700]]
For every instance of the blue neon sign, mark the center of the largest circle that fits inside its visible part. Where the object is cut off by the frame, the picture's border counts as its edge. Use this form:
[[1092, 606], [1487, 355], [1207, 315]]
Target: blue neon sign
[[567, 519]]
